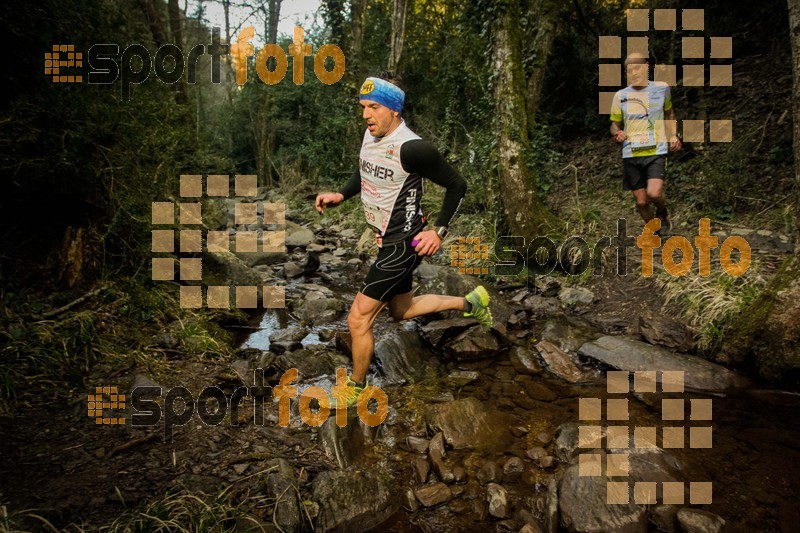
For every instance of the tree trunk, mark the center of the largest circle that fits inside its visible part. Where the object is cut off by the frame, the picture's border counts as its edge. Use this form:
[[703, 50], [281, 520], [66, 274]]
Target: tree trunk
[[794, 34], [524, 212], [274, 18], [176, 28], [398, 33], [356, 59], [155, 21], [766, 335], [540, 37]]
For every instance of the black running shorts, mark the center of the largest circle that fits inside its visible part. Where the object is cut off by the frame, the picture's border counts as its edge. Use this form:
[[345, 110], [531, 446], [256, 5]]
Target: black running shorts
[[391, 273], [637, 170]]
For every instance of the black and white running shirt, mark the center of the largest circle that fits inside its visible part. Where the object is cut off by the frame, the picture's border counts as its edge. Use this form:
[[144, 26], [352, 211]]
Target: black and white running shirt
[[389, 177]]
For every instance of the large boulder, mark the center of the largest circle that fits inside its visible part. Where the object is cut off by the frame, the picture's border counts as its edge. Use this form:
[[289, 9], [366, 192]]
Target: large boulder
[[468, 423], [583, 507], [401, 356], [632, 355], [559, 363], [298, 236], [354, 500], [224, 268], [473, 344], [664, 331]]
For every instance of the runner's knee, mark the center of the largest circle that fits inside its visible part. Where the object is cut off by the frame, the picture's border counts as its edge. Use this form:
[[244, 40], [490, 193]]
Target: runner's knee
[[358, 323]]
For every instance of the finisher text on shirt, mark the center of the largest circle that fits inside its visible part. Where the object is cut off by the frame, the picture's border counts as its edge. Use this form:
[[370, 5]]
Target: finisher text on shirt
[[376, 170]]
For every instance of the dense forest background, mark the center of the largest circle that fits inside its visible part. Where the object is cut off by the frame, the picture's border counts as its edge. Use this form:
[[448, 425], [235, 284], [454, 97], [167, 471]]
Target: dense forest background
[[506, 89]]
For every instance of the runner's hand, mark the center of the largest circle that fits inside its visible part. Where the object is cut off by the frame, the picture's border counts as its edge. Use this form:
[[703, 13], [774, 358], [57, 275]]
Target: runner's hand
[[429, 243], [620, 136], [675, 144], [328, 199]]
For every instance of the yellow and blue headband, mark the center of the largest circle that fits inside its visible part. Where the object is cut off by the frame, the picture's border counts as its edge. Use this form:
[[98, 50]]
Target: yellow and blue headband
[[383, 92]]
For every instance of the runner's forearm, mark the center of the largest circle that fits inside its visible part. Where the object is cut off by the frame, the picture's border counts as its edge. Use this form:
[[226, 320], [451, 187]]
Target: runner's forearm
[[353, 185], [423, 158]]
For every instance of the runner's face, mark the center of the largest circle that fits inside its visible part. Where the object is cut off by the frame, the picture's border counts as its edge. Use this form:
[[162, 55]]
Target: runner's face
[[380, 119], [637, 71]]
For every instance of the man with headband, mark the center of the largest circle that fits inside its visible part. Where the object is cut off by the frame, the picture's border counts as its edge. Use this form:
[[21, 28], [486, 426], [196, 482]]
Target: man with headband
[[392, 165]]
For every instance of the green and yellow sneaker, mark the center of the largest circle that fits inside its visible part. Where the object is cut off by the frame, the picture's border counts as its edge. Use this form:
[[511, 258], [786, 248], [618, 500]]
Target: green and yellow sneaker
[[479, 300], [347, 394]]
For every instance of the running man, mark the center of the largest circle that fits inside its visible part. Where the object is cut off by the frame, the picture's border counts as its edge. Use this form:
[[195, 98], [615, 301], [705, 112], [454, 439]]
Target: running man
[[643, 121], [392, 164]]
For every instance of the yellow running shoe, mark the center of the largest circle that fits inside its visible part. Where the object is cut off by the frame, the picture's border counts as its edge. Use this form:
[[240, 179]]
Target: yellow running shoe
[[479, 299]]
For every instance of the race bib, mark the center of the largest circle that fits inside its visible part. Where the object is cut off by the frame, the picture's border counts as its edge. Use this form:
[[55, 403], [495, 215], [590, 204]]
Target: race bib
[[374, 217], [641, 133]]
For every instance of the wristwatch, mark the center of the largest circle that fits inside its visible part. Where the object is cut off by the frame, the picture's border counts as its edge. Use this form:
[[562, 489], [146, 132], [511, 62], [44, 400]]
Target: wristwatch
[[441, 231]]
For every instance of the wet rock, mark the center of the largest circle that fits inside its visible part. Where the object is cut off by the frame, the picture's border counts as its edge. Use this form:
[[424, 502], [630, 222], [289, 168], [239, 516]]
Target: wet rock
[[544, 438], [421, 470], [583, 506], [566, 336], [698, 521], [459, 378], [317, 248], [663, 517], [524, 361], [438, 332], [257, 259], [535, 454], [459, 506], [576, 296], [513, 468], [497, 498], [531, 528], [312, 363], [551, 509], [467, 423], [311, 264], [141, 380], [459, 474], [559, 363], [427, 270], [281, 487], [473, 344], [519, 431], [441, 470], [504, 374], [566, 444], [434, 495], [546, 462], [401, 356], [292, 270], [298, 236], [632, 355], [437, 444], [490, 473], [344, 445], [417, 444], [410, 502], [353, 500], [539, 392], [320, 311], [458, 490], [242, 370], [283, 340], [542, 306], [664, 331], [479, 510], [224, 268]]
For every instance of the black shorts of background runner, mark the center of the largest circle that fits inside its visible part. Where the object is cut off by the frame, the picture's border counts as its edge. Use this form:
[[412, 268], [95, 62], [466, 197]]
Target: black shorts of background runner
[[637, 170], [391, 273]]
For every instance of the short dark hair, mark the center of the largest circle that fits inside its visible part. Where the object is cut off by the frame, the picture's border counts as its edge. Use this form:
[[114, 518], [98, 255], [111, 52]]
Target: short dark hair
[[391, 77]]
